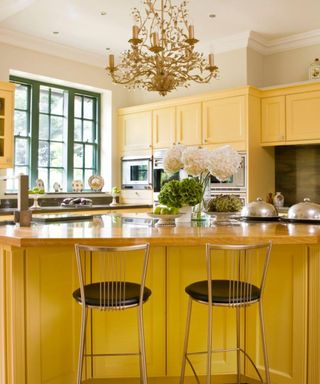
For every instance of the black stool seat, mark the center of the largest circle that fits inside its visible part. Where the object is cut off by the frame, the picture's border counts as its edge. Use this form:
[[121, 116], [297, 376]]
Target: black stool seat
[[131, 295], [223, 292]]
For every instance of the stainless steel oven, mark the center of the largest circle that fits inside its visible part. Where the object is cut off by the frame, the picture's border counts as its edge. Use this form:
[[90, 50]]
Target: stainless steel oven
[[136, 172], [234, 185]]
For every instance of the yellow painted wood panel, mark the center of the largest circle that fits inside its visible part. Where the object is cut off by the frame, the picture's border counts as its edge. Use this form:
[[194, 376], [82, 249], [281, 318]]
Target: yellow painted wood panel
[[164, 127], [225, 120], [6, 124], [53, 321], [303, 116], [135, 131], [285, 309], [273, 120], [189, 124], [187, 265]]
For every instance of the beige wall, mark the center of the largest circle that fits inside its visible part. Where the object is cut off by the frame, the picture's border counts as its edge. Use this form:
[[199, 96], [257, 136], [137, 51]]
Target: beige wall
[[35, 63], [289, 66], [233, 73], [255, 68]]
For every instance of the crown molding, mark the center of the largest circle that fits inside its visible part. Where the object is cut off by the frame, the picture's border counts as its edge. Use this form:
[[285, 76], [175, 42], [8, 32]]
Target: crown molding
[[51, 48], [245, 39], [270, 47]]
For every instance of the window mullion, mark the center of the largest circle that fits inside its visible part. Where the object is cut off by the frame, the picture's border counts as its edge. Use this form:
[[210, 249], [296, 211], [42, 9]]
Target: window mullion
[[70, 139], [34, 141]]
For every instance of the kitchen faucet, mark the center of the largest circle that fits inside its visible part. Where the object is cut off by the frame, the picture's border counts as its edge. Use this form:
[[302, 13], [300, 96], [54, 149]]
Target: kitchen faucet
[[23, 214]]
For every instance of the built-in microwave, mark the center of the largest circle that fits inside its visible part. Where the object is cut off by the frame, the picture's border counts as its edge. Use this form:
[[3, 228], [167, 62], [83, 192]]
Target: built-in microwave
[[136, 172]]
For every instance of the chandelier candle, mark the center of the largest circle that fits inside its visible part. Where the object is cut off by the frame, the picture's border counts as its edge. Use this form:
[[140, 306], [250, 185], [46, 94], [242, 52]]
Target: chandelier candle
[[161, 56]]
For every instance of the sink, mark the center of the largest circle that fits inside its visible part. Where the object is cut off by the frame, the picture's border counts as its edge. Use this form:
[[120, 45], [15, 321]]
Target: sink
[[54, 218], [7, 222]]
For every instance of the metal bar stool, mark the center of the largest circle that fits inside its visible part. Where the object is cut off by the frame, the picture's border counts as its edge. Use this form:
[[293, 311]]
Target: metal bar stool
[[239, 284], [110, 291]]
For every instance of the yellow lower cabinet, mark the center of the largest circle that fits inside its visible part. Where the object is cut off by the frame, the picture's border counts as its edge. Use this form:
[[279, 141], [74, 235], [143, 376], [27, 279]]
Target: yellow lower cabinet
[[187, 265], [285, 308], [53, 322]]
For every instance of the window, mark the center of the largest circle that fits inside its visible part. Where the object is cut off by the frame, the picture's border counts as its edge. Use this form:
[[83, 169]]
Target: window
[[56, 134]]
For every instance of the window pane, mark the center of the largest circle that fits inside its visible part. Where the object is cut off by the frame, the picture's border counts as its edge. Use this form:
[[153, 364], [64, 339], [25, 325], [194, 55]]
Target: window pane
[[21, 97], [44, 99], [43, 155], [88, 131], [87, 174], [88, 156], [56, 154], [43, 175], [21, 123], [56, 176], [21, 151], [77, 106], [56, 129], [87, 108], [44, 127], [77, 174], [77, 130], [78, 155], [57, 101]]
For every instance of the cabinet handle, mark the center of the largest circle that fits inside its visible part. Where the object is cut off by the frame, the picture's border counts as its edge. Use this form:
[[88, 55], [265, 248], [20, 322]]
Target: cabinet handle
[[150, 146], [205, 140], [178, 142]]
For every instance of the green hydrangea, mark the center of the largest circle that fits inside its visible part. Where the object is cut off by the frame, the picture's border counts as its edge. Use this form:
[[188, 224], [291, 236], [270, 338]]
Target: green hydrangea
[[191, 191], [224, 203], [179, 193]]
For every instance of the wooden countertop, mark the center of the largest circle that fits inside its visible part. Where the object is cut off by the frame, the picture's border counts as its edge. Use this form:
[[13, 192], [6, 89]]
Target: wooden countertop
[[124, 229]]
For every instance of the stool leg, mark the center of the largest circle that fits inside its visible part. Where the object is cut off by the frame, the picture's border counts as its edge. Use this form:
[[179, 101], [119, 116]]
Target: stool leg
[[209, 347], [142, 349], [238, 343], [264, 344], [186, 340], [81, 344]]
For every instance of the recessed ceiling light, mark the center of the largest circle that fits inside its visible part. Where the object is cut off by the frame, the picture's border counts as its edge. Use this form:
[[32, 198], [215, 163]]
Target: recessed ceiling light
[[103, 13], [212, 15], [56, 32]]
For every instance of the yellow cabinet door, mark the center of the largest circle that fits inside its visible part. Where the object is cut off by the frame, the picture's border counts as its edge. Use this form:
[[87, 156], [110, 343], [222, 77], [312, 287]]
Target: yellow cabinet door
[[6, 124], [303, 116], [164, 127], [224, 120], [189, 124], [135, 131], [273, 120]]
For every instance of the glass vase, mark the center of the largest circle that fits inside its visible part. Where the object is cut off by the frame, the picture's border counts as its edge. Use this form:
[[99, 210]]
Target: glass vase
[[197, 212]]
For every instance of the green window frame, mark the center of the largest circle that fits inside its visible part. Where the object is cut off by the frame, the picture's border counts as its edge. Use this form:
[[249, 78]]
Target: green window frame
[[61, 133]]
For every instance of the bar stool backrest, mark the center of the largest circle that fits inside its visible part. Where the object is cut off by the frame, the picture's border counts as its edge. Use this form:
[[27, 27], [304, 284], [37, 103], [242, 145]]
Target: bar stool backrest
[[109, 268], [243, 266]]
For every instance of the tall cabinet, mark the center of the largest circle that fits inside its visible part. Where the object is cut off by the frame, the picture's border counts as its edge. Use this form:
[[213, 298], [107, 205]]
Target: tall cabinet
[[6, 124]]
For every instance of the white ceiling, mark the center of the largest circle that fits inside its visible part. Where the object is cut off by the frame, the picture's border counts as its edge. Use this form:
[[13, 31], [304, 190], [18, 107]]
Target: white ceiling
[[82, 27]]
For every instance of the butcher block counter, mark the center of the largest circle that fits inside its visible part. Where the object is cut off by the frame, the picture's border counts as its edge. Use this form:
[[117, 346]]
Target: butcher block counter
[[39, 320]]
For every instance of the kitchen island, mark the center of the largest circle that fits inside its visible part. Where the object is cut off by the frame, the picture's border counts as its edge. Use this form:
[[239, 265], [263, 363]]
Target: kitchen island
[[40, 320]]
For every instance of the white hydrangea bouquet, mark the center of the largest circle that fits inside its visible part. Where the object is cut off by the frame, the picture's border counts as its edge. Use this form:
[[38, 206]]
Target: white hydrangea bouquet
[[200, 163]]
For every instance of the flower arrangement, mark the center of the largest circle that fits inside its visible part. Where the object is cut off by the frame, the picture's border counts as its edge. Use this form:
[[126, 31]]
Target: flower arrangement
[[200, 163]]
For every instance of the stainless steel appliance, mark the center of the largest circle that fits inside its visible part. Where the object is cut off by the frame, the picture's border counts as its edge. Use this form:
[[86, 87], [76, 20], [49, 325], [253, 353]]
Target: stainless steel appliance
[[234, 185], [159, 175], [136, 172]]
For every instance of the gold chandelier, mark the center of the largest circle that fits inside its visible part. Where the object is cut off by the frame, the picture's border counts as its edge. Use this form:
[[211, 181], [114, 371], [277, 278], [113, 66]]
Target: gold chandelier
[[162, 56]]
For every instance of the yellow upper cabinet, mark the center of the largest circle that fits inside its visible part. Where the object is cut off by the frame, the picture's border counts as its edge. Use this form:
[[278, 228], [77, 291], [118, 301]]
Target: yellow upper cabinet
[[291, 115], [164, 127], [224, 120], [189, 121], [6, 124], [273, 120], [135, 131], [303, 116]]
